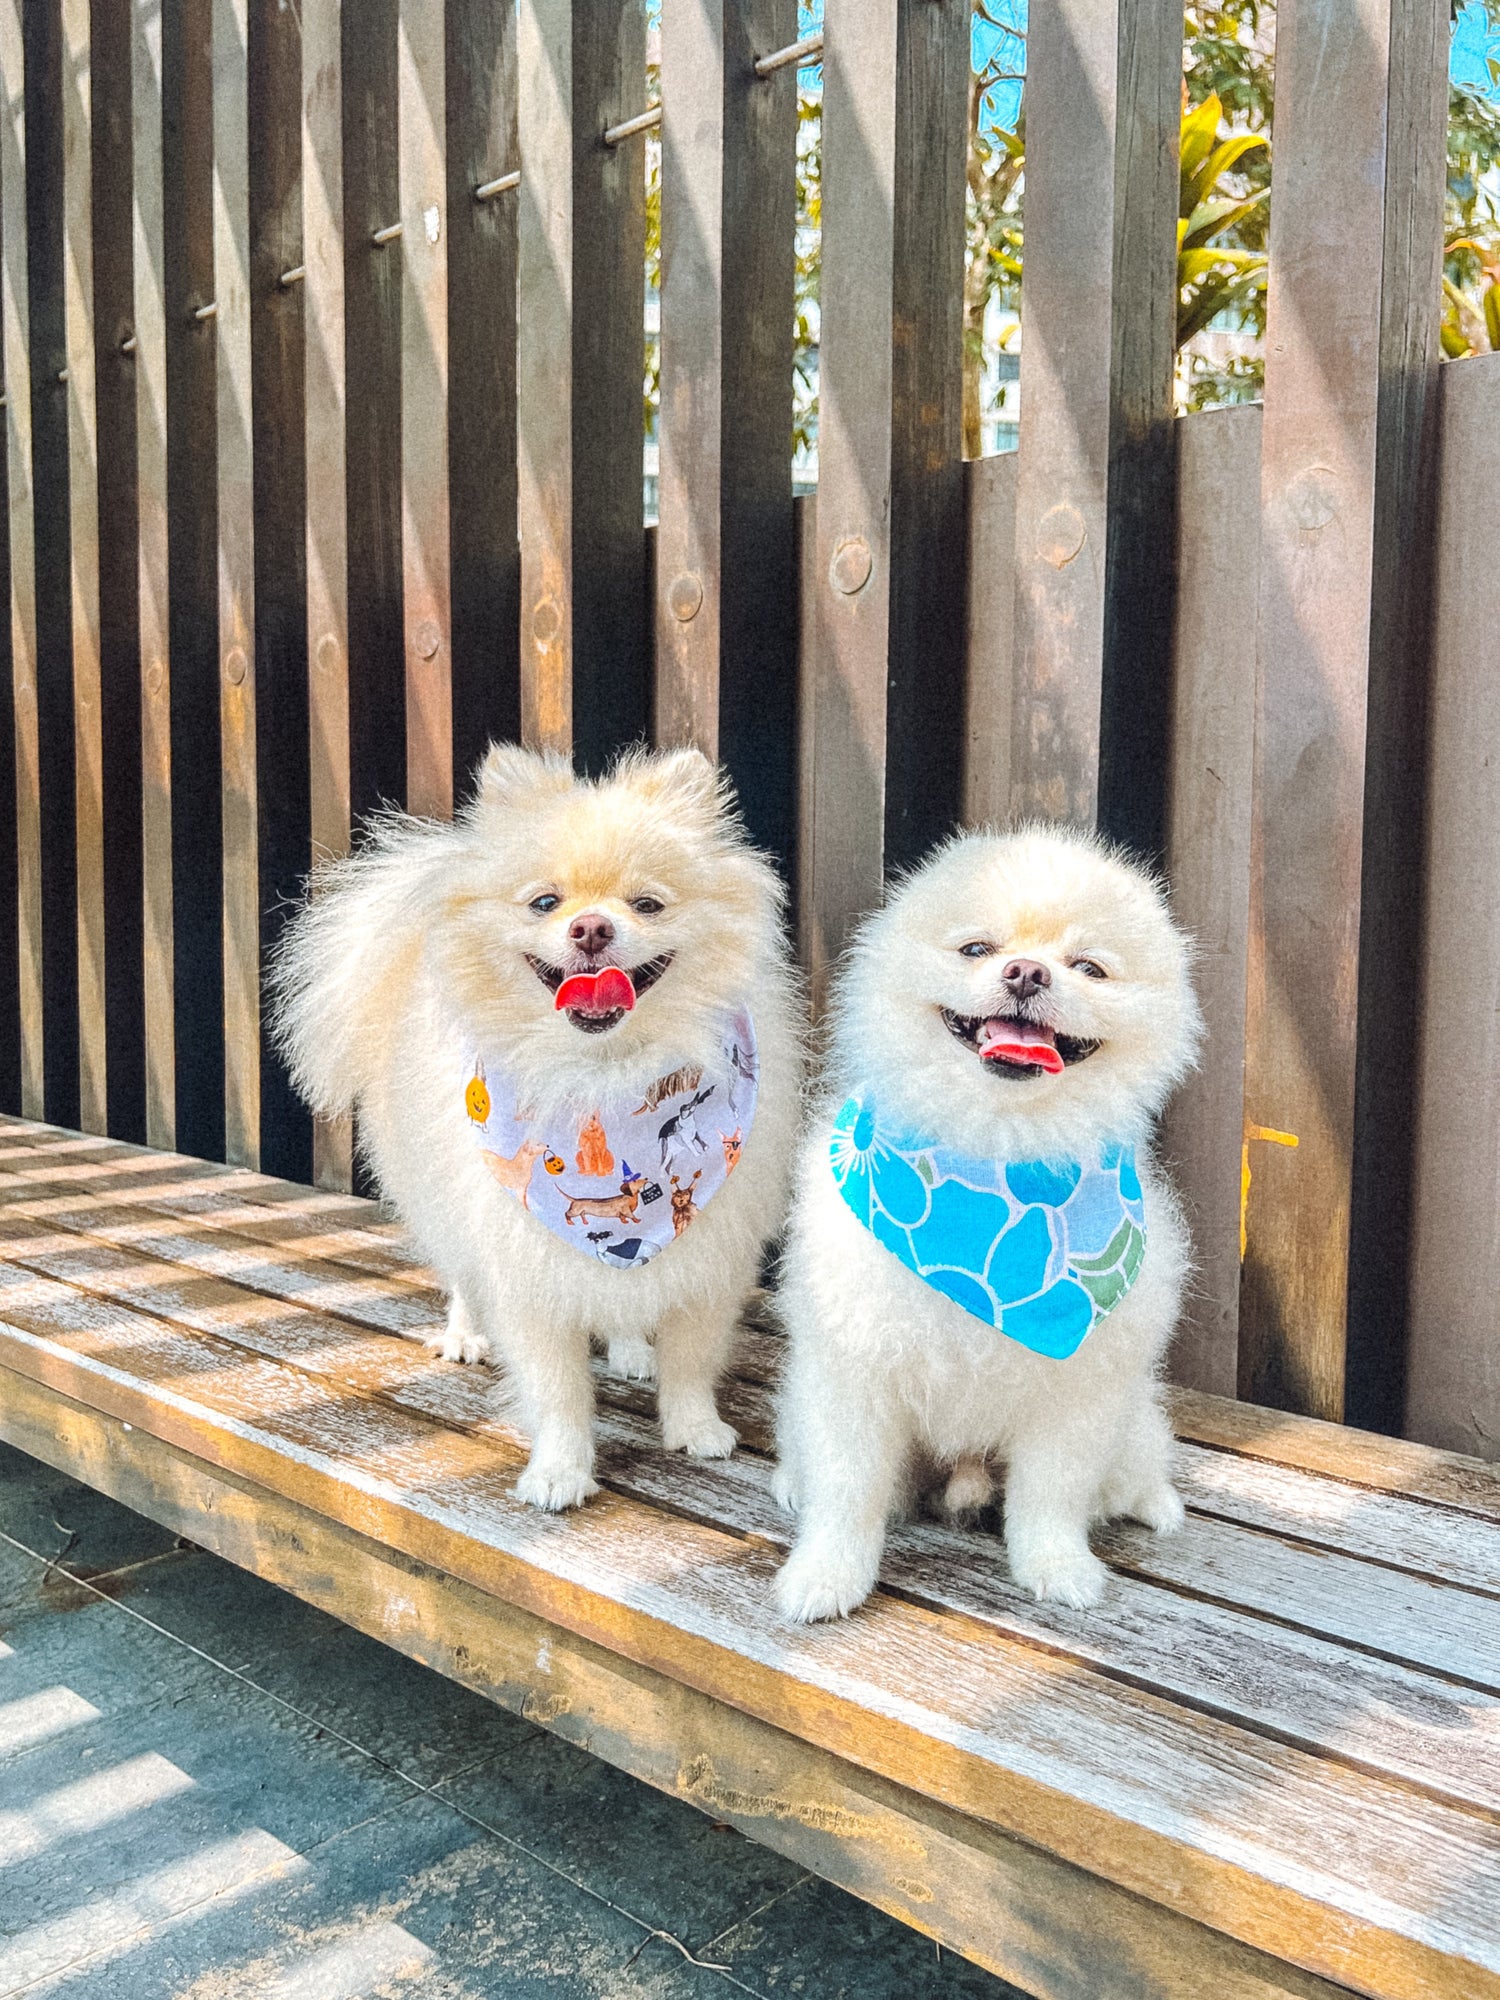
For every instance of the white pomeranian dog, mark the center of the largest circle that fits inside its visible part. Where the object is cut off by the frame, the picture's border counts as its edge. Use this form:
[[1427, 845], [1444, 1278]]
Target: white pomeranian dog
[[570, 1030], [985, 1262]]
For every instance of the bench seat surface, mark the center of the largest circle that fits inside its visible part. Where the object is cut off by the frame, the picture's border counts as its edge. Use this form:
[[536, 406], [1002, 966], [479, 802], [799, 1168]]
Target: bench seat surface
[[1268, 1763]]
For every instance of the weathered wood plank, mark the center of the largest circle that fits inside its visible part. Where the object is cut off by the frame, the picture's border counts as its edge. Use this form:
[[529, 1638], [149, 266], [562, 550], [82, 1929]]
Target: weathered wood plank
[[112, 200], [1370, 1711], [1359, 1458], [1009, 1907], [579, 367], [726, 670], [22, 555], [1453, 1367], [57, 762], [426, 593], [76, 81], [485, 582], [990, 496], [150, 350], [192, 568], [1347, 371], [372, 293], [887, 728], [1094, 517], [279, 368], [236, 577], [1208, 864], [327, 542], [993, 1739]]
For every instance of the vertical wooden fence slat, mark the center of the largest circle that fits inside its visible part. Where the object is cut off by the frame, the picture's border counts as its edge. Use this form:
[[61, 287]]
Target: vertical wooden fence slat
[[579, 367], [192, 567], [1208, 862], [424, 410], [278, 365], [22, 541], [83, 497], [114, 350], [155, 630], [990, 506], [327, 532], [1094, 478], [725, 609], [236, 602], [485, 581], [57, 768], [1335, 463], [372, 359], [10, 883], [888, 715], [1453, 1378]]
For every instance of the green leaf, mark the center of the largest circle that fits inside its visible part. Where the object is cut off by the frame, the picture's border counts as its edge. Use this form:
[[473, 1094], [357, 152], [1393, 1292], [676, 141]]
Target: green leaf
[[1200, 127], [1210, 218], [1492, 317], [1222, 160]]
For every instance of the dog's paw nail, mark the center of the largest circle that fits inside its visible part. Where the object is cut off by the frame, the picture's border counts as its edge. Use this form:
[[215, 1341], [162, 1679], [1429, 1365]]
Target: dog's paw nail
[[701, 1437], [810, 1589], [784, 1489], [1072, 1577], [555, 1488], [449, 1346], [632, 1360]]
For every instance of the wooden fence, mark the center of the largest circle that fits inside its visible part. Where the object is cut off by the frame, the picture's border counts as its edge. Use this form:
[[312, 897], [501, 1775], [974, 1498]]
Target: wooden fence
[[323, 351]]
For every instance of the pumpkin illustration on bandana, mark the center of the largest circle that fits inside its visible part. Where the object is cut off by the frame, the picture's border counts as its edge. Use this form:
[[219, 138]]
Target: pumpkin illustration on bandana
[[477, 1096], [594, 1156]]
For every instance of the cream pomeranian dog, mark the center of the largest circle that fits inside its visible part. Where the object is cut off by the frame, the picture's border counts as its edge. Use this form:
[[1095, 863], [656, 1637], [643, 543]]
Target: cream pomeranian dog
[[569, 1027], [985, 1263]]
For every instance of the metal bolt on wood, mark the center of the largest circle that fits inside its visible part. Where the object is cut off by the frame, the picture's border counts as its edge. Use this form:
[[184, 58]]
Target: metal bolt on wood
[[686, 596], [487, 190], [208, 312], [293, 277], [852, 563], [391, 231]]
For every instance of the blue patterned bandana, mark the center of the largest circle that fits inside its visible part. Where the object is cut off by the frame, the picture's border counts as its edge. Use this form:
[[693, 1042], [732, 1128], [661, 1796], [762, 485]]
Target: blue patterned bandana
[[1041, 1249]]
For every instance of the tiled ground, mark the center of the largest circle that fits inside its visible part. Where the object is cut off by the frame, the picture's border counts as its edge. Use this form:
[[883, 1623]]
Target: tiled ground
[[210, 1791]]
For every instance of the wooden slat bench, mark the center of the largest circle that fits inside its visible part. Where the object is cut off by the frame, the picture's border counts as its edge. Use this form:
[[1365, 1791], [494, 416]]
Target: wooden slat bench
[[1268, 1764]]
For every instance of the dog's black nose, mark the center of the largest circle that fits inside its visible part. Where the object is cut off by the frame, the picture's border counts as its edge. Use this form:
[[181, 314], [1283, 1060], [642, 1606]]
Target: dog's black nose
[[591, 932], [1025, 976]]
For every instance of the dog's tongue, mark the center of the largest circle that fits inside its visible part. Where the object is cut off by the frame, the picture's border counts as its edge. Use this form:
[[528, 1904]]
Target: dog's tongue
[[1026, 1043], [596, 992]]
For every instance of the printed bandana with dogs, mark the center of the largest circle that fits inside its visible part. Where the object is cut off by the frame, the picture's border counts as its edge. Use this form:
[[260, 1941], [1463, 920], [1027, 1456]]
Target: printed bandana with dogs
[[621, 1181], [1041, 1249]]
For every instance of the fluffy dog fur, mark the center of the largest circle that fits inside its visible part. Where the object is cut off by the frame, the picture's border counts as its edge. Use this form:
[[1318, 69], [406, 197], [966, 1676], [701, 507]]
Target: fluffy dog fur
[[431, 923], [883, 1369]]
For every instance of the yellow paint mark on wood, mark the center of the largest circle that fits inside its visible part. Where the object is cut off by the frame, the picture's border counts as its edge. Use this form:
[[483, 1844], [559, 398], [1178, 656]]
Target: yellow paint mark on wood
[[1276, 1138], [698, 1781]]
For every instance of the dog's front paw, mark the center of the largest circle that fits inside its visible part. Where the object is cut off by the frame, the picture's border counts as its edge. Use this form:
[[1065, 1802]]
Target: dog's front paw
[[784, 1489], [632, 1358], [700, 1435], [458, 1341], [818, 1582], [1061, 1573], [555, 1486]]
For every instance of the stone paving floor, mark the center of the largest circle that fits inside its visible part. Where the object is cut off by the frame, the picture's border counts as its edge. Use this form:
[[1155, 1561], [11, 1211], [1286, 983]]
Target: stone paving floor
[[210, 1791]]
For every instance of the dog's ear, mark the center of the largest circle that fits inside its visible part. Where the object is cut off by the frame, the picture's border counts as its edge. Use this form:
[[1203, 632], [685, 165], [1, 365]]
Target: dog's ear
[[510, 775], [681, 777]]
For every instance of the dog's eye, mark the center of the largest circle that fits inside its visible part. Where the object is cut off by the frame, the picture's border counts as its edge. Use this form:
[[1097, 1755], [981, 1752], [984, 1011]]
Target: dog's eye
[[545, 905], [646, 906], [1089, 968], [977, 949]]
